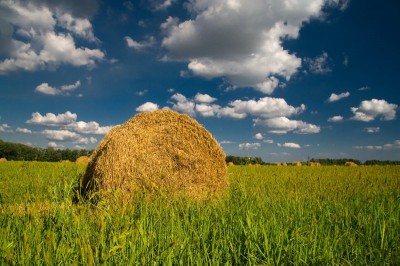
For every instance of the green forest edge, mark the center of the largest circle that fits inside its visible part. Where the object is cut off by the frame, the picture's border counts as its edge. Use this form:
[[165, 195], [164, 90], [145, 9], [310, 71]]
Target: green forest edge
[[20, 152]]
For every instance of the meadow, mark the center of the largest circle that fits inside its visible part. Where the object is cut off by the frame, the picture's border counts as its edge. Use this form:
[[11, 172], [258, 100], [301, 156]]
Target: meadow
[[328, 215]]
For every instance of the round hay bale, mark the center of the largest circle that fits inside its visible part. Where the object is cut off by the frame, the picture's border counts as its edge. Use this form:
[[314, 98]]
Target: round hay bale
[[296, 164], [231, 164], [3, 160], [82, 160], [350, 164], [162, 152]]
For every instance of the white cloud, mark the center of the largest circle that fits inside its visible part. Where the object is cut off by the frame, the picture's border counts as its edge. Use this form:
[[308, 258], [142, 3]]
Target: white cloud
[[54, 145], [147, 107], [269, 141], [31, 41], [226, 142], [5, 128], [183, 104], [23, 130], [61, 135], [86, 141], [336, 118], [149, 42], [65, 90], [141, 93], [51, 119], [319, 64], [290, 145], [258, 136], [266, 107], [79, 26], [365, 88], [282, 125], [249, 146], [371, 129], [91, 127], [204, 98], [370, 110], [394, 145], [336, 97], [207, 110], [240, 40], [163, 5]]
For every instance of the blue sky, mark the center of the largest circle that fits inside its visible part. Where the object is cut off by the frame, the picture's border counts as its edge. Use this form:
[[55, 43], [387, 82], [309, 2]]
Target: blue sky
[[282, 80]]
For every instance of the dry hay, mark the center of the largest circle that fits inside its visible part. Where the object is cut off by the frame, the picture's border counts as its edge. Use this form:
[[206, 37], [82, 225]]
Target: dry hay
[[231, 164], [162, 152], [3, 160], [296, 164], [350, 164], [82, 160], [278, 164], [314, 164]]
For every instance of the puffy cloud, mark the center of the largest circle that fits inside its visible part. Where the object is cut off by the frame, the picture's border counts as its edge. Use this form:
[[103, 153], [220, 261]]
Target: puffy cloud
[[79, 26], [139, 45], [290, 145], [65, 90], [163, 5], [240, 40], [336, 118], [282, 125], [204, 98], [54, 145], [147, 107], [258, 136], [86, 141], [183, 104], [91, 127], [319, 64], [23, 130], [370, 110], [51, 119], [266, 107], [394, 145], [5, 128], [36, 44], [61, 135], [371, 129], [249, 146], [336, 97], [227, 142]]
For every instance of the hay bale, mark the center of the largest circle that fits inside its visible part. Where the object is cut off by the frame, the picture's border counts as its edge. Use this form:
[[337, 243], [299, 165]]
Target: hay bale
[[278, 164], [162, 152], [296, 164], [3, 160], [314, 164], [231, 164], [82, 160], [350, 164]]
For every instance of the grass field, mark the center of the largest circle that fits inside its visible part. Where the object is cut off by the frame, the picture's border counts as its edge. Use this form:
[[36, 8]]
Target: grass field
[[270, 216]]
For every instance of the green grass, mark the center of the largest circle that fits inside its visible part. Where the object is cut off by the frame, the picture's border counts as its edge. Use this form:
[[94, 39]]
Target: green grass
[[270, 216]]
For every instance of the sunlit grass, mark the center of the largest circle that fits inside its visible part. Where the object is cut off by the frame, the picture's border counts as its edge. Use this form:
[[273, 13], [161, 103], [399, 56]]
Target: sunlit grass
[[270, 215]]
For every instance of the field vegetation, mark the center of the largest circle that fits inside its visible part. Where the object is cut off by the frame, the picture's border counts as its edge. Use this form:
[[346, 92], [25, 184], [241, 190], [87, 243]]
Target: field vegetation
[[270, 216]]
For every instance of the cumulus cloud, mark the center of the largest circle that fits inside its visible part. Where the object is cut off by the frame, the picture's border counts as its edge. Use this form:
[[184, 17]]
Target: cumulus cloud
[[204, 98], [5, 128], [389, 146], [370, 110], [149, 42], [23, 130], [67, 121], [54, 145], [336, 97], [91, 127], [371, 129], [51, 119], [64, 90], [258, 136], [30, 39], [319, 64], [336, 118], [240, 40], [61, 135], [283, 125], [86, 141], [147, 107], [394, 145], [290, 145], [183, 104], [249, 146]]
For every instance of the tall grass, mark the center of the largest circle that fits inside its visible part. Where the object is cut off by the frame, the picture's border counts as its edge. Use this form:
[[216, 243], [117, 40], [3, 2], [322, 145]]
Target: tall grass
[[270, 216]]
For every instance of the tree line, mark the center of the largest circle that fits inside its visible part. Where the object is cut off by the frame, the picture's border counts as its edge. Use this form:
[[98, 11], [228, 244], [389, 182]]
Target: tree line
[[20, 152]]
